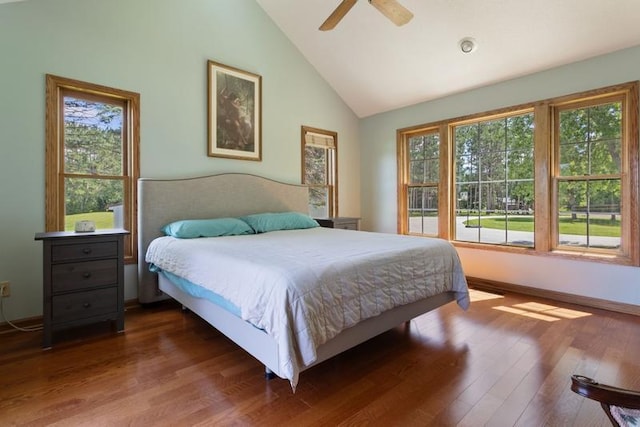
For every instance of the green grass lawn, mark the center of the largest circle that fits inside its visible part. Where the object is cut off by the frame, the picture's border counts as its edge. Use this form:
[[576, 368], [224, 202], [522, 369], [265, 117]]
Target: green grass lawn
[[604, 227], [102, 220]]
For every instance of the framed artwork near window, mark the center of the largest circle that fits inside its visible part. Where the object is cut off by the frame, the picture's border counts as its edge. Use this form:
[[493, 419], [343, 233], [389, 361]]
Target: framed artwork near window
[[234, 113]]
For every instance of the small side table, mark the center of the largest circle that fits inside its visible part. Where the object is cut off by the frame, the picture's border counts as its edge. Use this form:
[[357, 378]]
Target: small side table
[[345, 223], [83, 279]]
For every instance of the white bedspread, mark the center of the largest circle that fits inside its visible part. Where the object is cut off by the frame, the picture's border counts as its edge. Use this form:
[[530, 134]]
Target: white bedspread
[[303, 287]]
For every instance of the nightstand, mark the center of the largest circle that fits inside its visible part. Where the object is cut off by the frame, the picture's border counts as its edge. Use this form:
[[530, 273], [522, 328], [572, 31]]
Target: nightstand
[[344, 223], [83, 279]]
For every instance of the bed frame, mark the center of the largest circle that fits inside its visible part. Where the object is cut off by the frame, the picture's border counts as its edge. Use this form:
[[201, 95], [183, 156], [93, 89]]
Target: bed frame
[[233, 195]]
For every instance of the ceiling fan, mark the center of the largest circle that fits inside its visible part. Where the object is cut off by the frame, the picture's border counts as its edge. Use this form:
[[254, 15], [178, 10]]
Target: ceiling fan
[[393, 10]]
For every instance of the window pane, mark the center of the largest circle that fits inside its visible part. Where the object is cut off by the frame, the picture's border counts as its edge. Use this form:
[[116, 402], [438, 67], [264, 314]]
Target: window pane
[[605, 157], [590, 141], [92, 137], [319, 158], [99, 200], [424, 146], [589, 214], [492, 166], [416, 147], [319, 202], [423, 210], [424, 168], [574, 159], [315, 162], [519, 217], [424, 171], [521, 195], [424, 158], [492, 197], [467, 213], [494, 181], [520, 165], [416, 168], [465, 197], [432, 170], [492, 136], [519, 132], [467, 168]]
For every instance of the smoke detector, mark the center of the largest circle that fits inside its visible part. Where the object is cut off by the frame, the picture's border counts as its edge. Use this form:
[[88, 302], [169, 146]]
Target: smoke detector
[[467, 45]]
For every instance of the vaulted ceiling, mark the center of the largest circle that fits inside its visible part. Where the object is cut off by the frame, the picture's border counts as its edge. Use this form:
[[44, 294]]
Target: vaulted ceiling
[[376, 66]]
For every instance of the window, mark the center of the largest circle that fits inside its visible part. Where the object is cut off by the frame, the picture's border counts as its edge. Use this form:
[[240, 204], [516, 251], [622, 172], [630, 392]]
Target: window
[[494, 180], [421, 153], [92, 139], [320, 170], [588, 175], [558, 176]]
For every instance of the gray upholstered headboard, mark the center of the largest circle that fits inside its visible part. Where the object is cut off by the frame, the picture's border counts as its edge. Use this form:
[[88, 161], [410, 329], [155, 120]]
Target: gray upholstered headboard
[[161, 201]]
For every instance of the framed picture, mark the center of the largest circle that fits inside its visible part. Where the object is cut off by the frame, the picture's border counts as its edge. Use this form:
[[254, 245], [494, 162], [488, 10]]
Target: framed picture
[[235, 113]]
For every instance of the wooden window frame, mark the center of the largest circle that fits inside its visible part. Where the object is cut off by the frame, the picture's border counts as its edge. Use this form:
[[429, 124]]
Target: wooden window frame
[[496, 115], [404, 185], [627, 95], [332, 166], [545, 155], [56, 87]]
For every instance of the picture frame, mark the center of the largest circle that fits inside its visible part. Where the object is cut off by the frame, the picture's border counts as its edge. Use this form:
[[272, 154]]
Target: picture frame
[[234, 113]]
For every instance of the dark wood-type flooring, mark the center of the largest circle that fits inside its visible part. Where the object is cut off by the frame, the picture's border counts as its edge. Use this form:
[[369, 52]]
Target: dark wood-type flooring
[[506, 361]]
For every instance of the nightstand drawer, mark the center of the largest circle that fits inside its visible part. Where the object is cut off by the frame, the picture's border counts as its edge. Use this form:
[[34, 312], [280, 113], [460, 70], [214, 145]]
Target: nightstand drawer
[[81, 305], [346, 225], [80, 275], [80, 251]]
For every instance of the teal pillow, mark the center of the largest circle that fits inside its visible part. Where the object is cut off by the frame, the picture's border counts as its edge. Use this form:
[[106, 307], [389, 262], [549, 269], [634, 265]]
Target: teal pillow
[[216, 227], [265, 222]]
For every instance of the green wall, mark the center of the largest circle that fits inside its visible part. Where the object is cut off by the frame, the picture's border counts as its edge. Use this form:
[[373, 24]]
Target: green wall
[[159, 49]]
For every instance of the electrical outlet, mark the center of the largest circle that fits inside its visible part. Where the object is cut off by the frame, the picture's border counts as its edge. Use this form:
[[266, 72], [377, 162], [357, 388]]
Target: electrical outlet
[[6, 289]]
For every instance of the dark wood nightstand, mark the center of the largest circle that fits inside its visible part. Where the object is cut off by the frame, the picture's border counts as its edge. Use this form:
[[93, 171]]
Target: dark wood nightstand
[[344, 223], [83, 279]]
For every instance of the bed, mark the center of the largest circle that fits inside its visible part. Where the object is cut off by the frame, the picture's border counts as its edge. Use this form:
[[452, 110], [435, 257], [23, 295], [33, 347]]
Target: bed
[[294, 273]]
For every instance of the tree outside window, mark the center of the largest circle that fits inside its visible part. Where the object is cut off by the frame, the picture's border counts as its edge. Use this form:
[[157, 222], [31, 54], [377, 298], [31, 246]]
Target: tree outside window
[[589, 181], [495, 180], [319, 170], [557, 176], [93, 161], [92, 157], [423, 157]]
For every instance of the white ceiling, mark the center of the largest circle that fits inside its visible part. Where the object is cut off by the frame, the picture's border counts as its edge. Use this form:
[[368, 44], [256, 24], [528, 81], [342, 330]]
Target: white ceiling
[[375, 66]]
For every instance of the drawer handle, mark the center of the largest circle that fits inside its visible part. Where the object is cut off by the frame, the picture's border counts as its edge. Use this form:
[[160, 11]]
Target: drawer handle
[[86, 305], [86, 274], [86, 251]]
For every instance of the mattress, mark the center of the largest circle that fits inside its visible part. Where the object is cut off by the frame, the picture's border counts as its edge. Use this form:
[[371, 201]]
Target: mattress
[[303, 287], [198, 291]]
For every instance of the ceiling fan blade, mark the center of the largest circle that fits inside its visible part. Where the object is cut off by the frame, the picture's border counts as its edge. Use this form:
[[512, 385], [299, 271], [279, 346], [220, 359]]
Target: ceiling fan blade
[[337, 15], [393, 10]]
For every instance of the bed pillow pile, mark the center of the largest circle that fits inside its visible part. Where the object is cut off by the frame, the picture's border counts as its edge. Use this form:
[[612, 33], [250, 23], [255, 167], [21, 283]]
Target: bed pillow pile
[[216, 227], [265, 222]]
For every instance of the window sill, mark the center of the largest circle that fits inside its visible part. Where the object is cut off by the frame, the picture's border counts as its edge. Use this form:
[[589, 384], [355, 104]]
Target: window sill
[[576, 255]]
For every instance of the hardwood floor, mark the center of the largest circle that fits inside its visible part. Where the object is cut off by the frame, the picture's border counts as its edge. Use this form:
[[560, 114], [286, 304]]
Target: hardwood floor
[[506, 361]]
